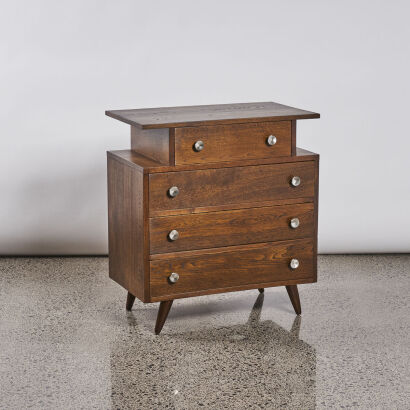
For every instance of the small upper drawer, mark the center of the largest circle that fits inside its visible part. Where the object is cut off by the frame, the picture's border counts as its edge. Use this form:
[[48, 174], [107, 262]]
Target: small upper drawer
[[227, 186], [196, 145]]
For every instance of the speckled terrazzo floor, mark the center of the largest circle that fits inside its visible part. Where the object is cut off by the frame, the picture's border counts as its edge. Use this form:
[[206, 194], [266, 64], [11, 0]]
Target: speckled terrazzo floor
[[66, 341]]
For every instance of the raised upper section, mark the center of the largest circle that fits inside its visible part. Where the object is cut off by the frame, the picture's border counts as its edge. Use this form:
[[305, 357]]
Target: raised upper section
[[170, 117]]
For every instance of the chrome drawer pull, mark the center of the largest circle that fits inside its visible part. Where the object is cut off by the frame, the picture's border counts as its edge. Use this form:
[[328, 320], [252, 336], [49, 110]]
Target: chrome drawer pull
[[294, 264], [271, 140], [199, 146], [173, 277], [294, 223], [173, 191], [295, 181], [173, 235]]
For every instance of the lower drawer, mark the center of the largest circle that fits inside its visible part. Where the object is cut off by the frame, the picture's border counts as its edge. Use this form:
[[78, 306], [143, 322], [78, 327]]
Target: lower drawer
[[232, 267]]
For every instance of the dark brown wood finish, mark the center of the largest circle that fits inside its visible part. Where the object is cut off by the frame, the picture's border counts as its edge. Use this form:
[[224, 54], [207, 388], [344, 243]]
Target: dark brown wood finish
[[233, 209], [293, 138], [168, 117], [294, 298], [130, 301], [228, 207], [150, 166], [234, 227], [232, 142], [236, 288], [212, 187], [126, 228], [152, 144], [163, 311], [233, 266]]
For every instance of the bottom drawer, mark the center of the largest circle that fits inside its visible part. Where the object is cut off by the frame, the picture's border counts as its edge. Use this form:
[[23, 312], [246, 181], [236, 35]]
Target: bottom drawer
[[232, 267]]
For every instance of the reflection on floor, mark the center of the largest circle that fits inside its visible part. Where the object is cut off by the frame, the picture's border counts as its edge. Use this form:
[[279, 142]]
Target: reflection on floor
[[223, 367], [66, 341]]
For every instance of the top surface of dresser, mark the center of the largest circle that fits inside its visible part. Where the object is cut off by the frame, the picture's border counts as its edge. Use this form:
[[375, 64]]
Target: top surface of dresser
[[169, 117]]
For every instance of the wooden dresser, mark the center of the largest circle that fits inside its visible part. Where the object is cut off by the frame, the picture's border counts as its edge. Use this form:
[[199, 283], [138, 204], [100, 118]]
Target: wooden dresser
[[212, 199]]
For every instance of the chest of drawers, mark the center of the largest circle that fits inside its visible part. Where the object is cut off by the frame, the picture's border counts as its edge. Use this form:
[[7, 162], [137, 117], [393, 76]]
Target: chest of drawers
[[212, 199]]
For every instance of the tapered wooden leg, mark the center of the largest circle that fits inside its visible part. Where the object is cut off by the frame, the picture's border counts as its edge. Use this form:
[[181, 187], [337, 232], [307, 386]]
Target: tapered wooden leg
[[163, 311], [261, 290], [294, 298], [130, 301]]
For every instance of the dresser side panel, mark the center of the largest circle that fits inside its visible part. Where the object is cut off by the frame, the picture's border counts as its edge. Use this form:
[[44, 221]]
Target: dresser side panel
[[126, 223]]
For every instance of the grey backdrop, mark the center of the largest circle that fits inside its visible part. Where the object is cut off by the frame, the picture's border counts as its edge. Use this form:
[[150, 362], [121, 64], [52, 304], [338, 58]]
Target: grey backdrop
[[64, 62]]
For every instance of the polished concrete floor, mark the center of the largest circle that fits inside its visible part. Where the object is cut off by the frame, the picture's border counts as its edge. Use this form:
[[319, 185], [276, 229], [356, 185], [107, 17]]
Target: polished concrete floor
[[66, 341]]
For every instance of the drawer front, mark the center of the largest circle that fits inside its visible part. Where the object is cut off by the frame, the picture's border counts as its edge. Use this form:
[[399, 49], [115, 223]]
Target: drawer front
[[237, 185], [253, 264], [234, 227], [232, 142]]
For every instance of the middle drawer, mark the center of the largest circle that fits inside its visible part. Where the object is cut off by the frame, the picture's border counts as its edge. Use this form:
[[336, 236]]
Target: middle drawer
[[242, 186], [233, 227]]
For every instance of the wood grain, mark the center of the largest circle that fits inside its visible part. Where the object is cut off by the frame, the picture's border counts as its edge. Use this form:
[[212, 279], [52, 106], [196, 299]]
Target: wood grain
[[253, 265], [152, 144], [226, 207], [232, 142], [150, 166], [233, 209], [168, 117], [293, 138], [212, 187], [234, 227], [126, 228], [235, 288]]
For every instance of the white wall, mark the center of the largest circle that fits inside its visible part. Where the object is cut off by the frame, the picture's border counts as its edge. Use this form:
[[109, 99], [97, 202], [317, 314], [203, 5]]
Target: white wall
[[63, 63]]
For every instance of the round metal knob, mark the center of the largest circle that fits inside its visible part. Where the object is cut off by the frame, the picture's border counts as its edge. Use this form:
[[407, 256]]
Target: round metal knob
[[173, 191], [294, 223], [295, 181], [294, 264], [271, 140], [173, 277], [173, 235], [199, 146]]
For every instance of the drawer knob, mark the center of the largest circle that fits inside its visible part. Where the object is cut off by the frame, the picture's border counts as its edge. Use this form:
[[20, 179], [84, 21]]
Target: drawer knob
[[294, 223], [295, 181], [173, 277], [199, 146], [173, 191], [173, 235], [271, 140], [294, 264]]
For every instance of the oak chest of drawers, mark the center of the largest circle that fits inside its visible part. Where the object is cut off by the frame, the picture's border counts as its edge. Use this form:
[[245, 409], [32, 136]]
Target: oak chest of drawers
[[212, 199]]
